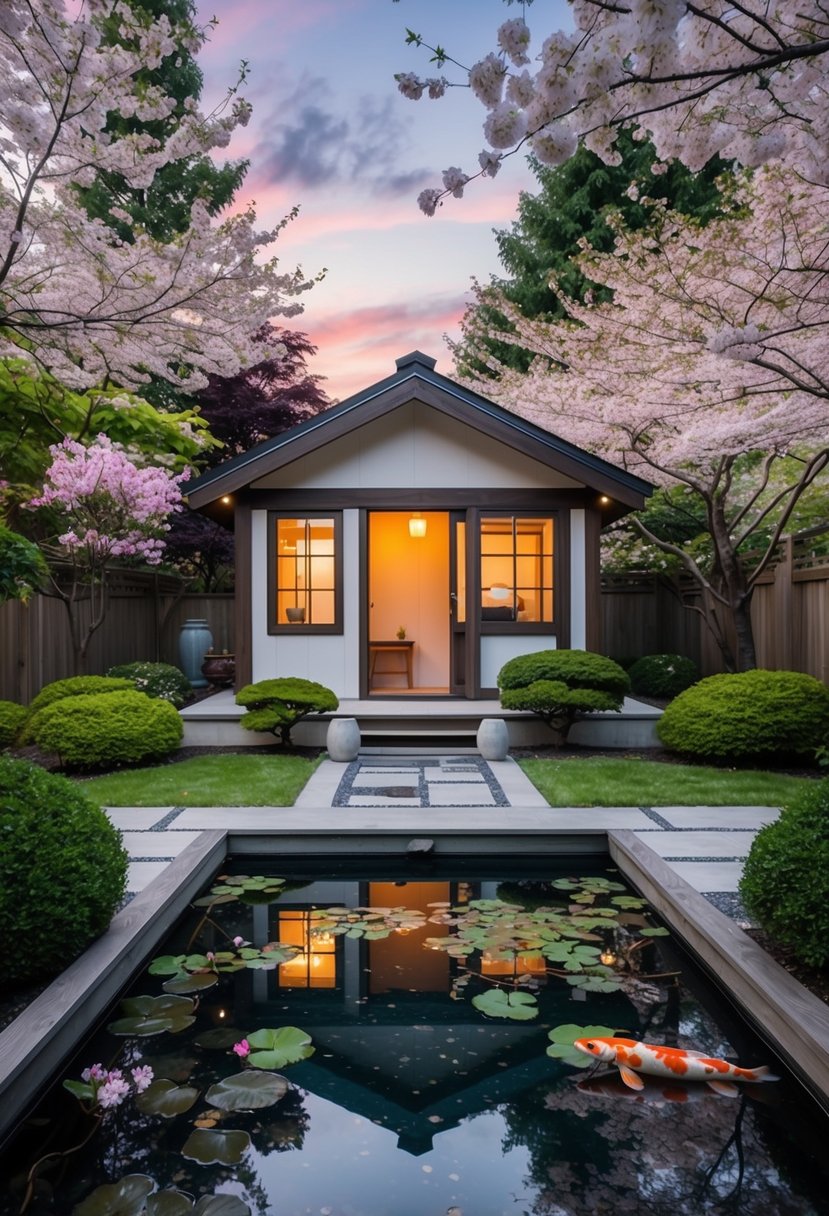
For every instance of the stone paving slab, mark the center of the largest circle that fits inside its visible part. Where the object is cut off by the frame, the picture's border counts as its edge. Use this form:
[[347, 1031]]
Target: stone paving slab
[[379, 800], [141, 873], [379, 781], [157, 844], [460, 794], [707, 876], [136, 818], [730, 817], [701, 844], [445, 773]]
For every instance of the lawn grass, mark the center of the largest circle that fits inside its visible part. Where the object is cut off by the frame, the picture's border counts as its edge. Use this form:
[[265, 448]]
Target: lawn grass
[[601, 781], [225, 780]]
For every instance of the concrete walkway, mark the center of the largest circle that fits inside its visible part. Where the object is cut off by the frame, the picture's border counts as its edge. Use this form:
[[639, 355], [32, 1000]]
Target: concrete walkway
[[704, 845]]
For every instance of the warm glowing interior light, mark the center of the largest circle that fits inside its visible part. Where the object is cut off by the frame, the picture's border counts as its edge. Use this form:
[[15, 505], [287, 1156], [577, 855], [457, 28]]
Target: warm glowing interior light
[[608, 957], [417, 525], [225, 498], [604, 500]]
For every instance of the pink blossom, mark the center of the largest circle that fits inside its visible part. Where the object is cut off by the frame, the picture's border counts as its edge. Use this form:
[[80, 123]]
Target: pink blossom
[[142, 1077], [239, 941], [96, 1073], [242, 1048], [113, 1091]]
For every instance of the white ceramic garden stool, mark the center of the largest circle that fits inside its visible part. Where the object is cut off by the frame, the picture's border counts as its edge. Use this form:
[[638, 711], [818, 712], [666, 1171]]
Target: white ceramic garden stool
[[493, 739], [343, 739]]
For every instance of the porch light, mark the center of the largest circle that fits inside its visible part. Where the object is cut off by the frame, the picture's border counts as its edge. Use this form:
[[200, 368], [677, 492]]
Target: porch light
[[225, 498], [417, 525]]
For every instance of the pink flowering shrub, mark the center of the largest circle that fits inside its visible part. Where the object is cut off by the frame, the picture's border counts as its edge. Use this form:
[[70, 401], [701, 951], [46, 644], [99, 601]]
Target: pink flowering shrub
[[104, 1089]]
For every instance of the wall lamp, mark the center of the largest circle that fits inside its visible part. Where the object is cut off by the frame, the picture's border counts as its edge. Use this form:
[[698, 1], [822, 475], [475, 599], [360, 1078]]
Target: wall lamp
[[417, 525]]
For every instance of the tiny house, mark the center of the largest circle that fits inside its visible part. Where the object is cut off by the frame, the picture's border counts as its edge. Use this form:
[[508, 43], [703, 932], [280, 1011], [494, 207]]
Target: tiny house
[[408, 541]]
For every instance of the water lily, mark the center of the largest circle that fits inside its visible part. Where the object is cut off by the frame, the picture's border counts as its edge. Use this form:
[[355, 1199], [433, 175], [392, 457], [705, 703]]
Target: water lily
[[242, 1049]]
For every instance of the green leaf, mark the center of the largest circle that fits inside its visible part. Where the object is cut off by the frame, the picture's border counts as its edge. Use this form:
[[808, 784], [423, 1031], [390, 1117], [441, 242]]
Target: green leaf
[[80, 1089], [147, 1015], [562, 1039], [517, 1006], [278, 1048], [216, 1148], [657, 931], [594, 983], [126, 1197], [247, 1091], [163, 1097], [191, 983], [167, 964], [169, 1203], [221, 1038]]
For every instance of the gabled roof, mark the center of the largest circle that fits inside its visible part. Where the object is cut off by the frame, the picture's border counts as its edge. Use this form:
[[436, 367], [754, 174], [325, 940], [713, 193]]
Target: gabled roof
[[416, 379]]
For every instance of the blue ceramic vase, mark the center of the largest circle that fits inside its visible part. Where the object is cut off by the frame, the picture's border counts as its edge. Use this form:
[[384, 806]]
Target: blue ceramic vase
[[194, 642]]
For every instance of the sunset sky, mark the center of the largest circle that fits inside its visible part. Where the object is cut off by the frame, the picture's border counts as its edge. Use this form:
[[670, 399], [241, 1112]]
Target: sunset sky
[[331, 133]]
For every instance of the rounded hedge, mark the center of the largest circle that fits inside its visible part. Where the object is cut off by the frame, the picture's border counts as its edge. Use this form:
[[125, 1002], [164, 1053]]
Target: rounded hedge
[[59, 690], [160, 680], [63, 871], [108, 729], [575, 668], [662, 675], [12, 717], [751, 714], [785, 882]]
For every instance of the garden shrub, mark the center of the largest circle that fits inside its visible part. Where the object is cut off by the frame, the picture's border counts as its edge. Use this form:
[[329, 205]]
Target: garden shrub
[[748, 715], [785, 882], [160, 680], [277, 705], [62, 871], [558, 685], [74, 686], [662, 675], [12, 717], [108, 729]]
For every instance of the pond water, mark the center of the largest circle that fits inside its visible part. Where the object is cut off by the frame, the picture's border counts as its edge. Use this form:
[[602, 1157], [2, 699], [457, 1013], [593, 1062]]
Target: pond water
[[433, 1072]]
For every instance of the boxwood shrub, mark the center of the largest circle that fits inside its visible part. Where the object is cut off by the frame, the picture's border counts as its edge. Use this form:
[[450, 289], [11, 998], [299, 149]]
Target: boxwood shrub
[[108, 729], [12, 717], [161, 680], [662, 675], [558, 685], [62, 871], [73, 686], [748, 715], [785, 882], [277, 705]]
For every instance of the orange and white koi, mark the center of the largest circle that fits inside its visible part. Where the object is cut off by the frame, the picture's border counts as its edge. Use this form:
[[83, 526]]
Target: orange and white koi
[[673, 1063]]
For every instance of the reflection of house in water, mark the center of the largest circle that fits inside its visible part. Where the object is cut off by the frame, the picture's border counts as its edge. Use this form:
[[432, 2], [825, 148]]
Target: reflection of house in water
[[391, 1043]]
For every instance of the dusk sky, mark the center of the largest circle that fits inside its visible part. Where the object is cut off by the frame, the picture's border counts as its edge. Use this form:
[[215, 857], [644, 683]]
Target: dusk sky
[[331, 133]]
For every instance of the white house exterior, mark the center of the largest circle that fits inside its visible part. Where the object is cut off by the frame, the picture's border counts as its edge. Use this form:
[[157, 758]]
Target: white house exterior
[[415, 505]]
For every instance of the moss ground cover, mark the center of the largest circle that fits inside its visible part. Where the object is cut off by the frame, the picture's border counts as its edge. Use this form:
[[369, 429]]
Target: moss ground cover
[[603, 781], [223, 780]]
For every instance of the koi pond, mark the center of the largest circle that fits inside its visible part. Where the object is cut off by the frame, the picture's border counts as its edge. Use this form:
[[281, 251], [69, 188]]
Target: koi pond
[[397, 1039]]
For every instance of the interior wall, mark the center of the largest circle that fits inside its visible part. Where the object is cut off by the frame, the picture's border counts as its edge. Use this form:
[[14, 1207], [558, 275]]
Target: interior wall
[[409, 586]]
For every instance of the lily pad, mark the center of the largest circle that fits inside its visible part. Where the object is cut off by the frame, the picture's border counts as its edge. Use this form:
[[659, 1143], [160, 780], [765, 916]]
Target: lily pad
[[169, 1203], [562, 1039], [126, 1197], [250, 1090], [191, 983], [657, 931], [147, 1015], [278, 1048], [496, 1003], [595, 982], [163, 1097], [215, 1148]]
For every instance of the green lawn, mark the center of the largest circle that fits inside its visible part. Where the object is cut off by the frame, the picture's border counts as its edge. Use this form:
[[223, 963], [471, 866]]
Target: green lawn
[[634, 782], [227, 780]]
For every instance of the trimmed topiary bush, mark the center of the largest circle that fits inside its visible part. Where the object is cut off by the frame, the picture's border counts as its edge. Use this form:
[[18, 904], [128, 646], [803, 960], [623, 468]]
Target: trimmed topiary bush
[[74, 686], [558, 685], [12, 717], [785, 882], [62, 871], [748, 715], [662, 675], [108, 729], [160, 680], [277, 705]]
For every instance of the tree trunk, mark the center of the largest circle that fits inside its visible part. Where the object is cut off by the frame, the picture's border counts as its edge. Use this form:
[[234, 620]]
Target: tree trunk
[[734, 587]]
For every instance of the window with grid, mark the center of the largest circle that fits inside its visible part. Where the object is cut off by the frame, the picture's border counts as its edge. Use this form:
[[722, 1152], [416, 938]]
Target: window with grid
[[517, 568], [306, 578]]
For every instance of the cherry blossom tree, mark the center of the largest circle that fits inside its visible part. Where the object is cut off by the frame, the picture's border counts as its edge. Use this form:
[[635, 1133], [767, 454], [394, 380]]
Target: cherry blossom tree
[[84, 304], [108, 508], [708, 368], [745, 79]]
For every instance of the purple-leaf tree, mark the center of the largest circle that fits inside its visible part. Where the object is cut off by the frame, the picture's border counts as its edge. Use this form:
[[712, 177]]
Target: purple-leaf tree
[[88, 306], [106, 508], [748, 81]]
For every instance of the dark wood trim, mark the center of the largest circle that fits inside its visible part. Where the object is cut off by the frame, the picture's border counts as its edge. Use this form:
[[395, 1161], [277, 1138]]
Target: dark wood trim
[[592, 581], [399, 499], [563, 586], [243, 601], [473, 615], [364, 612], [275, 627]]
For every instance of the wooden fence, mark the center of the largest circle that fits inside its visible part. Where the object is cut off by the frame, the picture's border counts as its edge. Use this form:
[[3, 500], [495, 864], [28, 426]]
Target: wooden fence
[[641, 614]]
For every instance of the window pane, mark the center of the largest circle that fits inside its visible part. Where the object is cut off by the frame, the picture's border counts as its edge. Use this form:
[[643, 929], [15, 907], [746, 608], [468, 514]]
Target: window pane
[[306, 579], [322, 608], [517, 568]]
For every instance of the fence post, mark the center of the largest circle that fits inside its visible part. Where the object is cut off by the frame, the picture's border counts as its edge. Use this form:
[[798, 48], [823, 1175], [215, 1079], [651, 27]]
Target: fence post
[[783, 649]]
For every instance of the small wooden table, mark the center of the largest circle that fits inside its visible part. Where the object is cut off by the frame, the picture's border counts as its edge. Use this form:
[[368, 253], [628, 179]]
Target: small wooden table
[[404, 647]]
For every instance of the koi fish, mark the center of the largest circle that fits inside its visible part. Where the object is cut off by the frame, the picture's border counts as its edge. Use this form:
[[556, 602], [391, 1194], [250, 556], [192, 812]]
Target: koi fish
[[673, 1063], [659, 1092]]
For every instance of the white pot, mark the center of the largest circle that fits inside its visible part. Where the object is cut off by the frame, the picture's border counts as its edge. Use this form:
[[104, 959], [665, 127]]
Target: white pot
[[493, 739], [343, 739]]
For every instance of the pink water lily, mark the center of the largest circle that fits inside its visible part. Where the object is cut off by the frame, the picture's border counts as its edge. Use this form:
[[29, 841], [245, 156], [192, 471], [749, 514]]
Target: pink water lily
[[242, 1049]]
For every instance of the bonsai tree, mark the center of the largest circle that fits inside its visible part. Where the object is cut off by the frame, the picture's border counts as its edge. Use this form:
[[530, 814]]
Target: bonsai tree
[[277, 705], [558, 685]]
